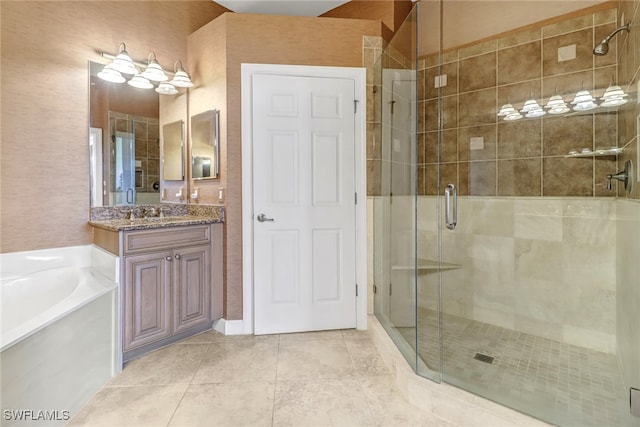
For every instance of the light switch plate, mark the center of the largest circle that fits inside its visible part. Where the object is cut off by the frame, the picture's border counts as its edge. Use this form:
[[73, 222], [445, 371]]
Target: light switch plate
[[567, 53], [440, 81], [476, 143], [220, 194]]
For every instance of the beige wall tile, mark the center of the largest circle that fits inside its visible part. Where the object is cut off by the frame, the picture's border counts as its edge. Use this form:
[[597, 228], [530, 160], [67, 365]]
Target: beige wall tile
[[567, 176], [487, 133], [561, 135], [521, 138], [520, 177], [478, 72], [584, 56], [520, 63], [477, 108]]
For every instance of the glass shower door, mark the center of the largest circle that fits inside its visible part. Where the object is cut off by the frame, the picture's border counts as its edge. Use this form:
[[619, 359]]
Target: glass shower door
[[124, 158], [532, 287]]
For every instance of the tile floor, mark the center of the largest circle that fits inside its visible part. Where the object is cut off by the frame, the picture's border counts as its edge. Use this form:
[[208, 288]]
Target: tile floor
[[332, 378], [562, 383]]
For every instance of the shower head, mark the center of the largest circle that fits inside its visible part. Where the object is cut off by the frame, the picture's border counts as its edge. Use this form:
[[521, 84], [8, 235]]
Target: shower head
[[603, 47]]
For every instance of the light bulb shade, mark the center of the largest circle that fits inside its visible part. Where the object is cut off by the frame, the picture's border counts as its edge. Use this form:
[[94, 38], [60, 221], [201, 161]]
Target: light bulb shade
[[513, 116], [530, 105], [110, 75], [181, 79], [614, 101], [123, 62], [165, 88], [585, 106], [583, 97], [140, 82], [154, 72], [535, 113], [613, 92], [506, 109], [555, 101], [559, 109]]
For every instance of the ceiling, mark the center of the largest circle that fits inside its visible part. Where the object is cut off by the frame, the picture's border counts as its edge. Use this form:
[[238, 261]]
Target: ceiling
[[282, 7]]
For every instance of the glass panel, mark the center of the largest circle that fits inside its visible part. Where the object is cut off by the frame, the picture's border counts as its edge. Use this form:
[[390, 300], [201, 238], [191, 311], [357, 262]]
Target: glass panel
[[395, 299], [538, 277]]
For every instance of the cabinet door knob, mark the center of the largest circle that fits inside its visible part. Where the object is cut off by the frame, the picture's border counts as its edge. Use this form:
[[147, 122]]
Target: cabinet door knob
[[168, 258], [177, 256]]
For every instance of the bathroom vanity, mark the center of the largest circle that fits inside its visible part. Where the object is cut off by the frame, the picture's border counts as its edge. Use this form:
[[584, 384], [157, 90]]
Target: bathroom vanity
[[170, 277]]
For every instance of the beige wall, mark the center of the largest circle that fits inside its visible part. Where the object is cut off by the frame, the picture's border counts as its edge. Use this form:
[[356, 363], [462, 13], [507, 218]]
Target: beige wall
[[219, 49], [46, 47]]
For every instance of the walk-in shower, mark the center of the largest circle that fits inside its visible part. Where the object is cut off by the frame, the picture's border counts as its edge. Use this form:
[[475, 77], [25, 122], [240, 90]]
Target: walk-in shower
[[532, 299]]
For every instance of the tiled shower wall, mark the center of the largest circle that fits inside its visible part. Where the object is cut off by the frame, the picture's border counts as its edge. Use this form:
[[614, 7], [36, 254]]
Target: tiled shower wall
[[147, 149], [526, 157]]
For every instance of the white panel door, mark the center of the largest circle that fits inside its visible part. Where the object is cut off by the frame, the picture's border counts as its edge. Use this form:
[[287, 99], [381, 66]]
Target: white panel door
[[304, 203]]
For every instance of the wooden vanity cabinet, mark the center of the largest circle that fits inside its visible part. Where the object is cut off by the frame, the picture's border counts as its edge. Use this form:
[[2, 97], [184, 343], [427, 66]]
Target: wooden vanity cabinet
[[167, 285]]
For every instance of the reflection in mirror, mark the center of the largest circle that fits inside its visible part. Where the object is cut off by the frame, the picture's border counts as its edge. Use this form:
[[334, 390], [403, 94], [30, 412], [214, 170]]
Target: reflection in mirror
[[124, 143], [204, 145], [173, 151]]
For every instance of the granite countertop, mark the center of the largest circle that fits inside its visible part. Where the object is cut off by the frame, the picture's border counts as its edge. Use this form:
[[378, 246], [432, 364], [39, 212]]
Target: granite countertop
[[116, 218], [154, 222]]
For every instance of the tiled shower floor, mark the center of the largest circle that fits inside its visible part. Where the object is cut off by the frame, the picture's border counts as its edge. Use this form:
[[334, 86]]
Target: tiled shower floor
[[560, 383]]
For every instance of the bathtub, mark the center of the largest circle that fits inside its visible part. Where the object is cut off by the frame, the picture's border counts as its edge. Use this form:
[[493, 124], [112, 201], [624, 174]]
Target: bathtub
[[59, 331]]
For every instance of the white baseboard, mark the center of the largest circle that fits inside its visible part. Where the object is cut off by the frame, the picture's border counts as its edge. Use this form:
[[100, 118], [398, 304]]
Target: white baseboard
[[229, 327]]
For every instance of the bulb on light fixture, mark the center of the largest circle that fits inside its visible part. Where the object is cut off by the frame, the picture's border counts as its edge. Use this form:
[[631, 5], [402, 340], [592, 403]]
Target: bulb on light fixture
[[181, 78], [154, 71], [513, 116], [506, 109], [123, 62], [583, 101], [613, 96], [165, 88], [556, 105], [110, 75], [140, 82]]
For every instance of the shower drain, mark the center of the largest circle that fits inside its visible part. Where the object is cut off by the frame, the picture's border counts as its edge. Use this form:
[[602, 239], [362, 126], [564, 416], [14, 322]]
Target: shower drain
[[483, 358]]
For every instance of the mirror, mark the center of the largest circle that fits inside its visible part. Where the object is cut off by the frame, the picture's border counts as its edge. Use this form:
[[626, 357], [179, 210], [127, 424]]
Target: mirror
[[173, 151], [124, 143], [204, 145]]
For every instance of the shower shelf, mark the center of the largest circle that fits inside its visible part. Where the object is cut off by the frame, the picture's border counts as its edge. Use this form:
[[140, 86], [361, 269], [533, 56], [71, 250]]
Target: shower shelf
[[428, 265], [596, 153]]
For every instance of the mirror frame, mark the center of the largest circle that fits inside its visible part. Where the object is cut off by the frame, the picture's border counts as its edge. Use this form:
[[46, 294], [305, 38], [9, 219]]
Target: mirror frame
[[208, 116]]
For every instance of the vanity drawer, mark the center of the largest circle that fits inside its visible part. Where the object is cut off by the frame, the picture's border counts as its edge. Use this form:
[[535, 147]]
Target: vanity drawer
[[167, 238]]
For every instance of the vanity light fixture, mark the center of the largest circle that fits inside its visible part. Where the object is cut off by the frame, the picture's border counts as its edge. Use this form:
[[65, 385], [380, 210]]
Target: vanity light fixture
[[532, 109], [180, 78], [123, 69], [154, 71], [556, 105], [123, 62], [110, 74], [613, 96], [140, 82], [583, 101], [506, 109], [165, 88]]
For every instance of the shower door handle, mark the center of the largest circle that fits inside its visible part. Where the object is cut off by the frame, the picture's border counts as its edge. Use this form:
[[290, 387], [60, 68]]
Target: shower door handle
[[451, 215]]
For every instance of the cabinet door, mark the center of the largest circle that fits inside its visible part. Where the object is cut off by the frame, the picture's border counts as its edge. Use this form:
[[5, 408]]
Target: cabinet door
[[147, 298], [192, 287]]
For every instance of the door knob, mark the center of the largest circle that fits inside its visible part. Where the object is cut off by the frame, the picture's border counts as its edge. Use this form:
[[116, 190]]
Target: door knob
[[263, 218]]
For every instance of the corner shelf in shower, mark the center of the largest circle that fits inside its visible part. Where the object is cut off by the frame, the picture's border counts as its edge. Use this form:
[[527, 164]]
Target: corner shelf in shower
[[596, 153], [428, 266]]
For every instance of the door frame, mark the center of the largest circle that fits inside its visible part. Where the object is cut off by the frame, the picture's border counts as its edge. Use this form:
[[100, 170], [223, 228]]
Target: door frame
[[358, 75]]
